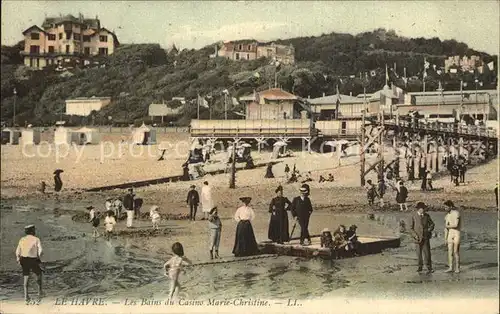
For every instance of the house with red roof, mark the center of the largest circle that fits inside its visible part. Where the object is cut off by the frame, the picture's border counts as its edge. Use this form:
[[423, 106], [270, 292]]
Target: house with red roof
[[272, 104], [66, 39]]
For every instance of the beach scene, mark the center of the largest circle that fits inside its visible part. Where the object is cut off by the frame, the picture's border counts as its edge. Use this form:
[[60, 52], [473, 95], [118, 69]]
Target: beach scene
[[253, 174]]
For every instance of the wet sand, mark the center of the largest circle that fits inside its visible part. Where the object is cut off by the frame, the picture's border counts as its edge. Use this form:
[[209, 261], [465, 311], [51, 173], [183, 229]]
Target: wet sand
[[130, 264]]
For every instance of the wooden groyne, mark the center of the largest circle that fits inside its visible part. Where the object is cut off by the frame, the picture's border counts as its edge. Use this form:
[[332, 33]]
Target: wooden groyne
[[175, 178]]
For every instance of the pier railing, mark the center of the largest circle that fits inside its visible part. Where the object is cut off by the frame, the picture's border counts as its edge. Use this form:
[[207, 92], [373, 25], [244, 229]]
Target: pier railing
[[451, 128]]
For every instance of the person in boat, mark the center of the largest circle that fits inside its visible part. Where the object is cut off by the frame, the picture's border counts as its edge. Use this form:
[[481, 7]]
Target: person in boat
[[245, 243], [278, 224], [321, 179], [352, 239], [57, 180], [269, 171], [326, 238], [330, 178], [340, 237], [301, 210]]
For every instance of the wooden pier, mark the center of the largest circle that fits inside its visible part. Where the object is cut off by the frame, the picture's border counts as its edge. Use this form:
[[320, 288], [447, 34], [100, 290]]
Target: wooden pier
[[368, 245]]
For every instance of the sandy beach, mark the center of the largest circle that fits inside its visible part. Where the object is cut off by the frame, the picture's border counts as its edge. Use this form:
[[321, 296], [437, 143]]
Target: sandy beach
[[130, 265]]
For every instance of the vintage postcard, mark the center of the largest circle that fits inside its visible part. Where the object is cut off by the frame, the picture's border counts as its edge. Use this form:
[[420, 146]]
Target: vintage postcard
[[249, 156]]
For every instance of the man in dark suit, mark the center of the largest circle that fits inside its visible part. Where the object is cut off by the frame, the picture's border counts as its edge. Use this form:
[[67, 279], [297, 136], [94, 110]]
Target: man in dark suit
[[193, 199], [301, 211], [421, 229]]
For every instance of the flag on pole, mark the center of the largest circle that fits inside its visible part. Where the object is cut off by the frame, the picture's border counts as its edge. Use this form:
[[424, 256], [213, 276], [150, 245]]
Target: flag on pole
[[202, 102]]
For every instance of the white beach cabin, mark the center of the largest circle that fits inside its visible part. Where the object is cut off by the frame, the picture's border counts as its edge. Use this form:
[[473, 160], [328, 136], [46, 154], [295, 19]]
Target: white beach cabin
[[62, 136], [144, 135], [30, 137], [85, 136], [10, 136]]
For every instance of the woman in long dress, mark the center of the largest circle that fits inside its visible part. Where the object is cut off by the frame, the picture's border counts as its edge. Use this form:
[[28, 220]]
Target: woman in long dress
[[278, 224], [207, 202], [245, 243]]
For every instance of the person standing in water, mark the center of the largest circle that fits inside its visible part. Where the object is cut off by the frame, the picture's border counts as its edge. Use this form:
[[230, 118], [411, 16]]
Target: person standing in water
[[128, 203], [94, 220], [173, 267], [453, 226], [28, 254], [109, 224], [57, 180]]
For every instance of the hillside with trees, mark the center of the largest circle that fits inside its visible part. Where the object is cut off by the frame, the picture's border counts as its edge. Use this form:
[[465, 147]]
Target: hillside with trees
[[140, 74]]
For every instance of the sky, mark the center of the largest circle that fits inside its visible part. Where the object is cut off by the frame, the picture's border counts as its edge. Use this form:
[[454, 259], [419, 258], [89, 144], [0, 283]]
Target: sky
[[192, 24]]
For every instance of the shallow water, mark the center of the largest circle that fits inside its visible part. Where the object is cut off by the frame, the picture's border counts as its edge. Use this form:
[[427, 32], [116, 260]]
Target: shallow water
[[75, 264]]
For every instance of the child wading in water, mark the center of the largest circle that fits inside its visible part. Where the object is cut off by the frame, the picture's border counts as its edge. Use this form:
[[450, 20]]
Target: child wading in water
[[94, 220], [155, 217], [109, 223], [174, 265], [215, 226]]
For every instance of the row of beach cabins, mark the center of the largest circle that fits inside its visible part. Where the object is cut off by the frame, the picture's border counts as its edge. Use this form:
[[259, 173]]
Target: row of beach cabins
[[142, 135]]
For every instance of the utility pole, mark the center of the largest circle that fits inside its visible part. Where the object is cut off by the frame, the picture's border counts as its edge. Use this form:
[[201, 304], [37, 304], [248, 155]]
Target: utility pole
[[14, 116], [232, 180], [362, 148]]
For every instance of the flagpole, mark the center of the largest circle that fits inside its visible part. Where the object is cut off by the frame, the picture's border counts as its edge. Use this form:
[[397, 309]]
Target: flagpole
[[461, 100], [198, 102], [386, 75], [225, 106], [423, 76]]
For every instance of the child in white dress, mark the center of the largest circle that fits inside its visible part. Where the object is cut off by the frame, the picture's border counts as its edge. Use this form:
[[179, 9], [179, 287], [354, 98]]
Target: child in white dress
[[109, 223], [174, 265], [155, 217]]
